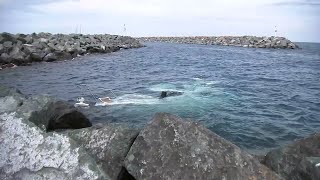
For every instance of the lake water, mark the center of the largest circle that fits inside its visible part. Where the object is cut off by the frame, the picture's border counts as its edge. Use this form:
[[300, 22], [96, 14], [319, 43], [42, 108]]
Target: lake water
[[256, 98]]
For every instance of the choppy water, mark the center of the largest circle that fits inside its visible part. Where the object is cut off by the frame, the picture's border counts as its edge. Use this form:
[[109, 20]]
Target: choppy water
[[257, 98]]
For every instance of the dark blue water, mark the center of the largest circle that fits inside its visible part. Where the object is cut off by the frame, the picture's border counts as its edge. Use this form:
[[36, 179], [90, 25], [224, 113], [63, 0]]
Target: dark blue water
[[257, 98]]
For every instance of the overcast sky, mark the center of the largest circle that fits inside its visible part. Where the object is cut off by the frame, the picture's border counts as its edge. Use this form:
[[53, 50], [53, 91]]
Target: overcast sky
[[298, 20]]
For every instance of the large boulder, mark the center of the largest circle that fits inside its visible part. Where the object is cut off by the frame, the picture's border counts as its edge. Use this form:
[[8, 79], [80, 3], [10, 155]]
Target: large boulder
[[108, 144], [298, 161], [33, 104], [50, 57], [173, 148], [29, 153], [59, 115], [37, 56]]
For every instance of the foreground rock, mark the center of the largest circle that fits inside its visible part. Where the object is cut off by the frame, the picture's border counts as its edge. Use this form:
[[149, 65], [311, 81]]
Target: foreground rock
[[172, 148], [59, 115], [29, 153], [241, 41], [108, 144], [22, 49], [298, 161]]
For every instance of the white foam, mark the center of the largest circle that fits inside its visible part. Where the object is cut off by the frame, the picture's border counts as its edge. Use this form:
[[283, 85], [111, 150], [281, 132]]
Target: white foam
[[197, 79], [131, 99], [163, 87]]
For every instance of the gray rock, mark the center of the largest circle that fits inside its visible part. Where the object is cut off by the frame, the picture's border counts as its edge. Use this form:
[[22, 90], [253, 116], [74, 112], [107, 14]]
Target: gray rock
[[28, 48], [17, 56], [7, 44], [108, 145], [9, 104], [50, 57], [33, 104], [59, 115], [7, 37], [63, 55], [38, 56], [283, 43], [10, 91], [173, 148], [297, 161], [29, 153], [2, 50], [5, 58]]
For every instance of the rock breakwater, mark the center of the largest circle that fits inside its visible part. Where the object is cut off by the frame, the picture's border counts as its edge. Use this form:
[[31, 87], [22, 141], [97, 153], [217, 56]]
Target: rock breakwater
[[22, 49], [241, 41]]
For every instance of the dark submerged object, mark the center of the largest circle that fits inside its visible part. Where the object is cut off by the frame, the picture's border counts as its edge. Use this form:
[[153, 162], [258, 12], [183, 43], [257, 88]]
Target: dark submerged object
[[169, 93]]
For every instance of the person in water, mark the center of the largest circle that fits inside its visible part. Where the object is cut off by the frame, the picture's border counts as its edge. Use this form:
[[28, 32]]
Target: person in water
[[106, 100]]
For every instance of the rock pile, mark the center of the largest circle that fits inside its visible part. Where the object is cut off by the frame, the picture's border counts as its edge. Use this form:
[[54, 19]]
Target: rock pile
[[241, 41], [167, 148], [22, 49]]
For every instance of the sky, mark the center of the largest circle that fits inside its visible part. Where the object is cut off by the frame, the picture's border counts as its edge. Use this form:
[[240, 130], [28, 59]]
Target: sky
[[298, 20]]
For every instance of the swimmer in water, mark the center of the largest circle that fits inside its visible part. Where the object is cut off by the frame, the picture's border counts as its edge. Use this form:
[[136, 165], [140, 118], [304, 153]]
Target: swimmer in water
[[106, 100]]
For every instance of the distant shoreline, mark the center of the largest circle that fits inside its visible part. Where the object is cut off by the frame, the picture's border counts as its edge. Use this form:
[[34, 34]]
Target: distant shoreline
[[239, 41]]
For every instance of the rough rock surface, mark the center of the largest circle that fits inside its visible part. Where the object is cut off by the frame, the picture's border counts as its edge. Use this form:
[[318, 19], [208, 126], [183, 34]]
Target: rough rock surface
[[297, 161], [59, 115], [108, 145], [29, 153], [21, 49], [241, 41], [172, 148], [10, 99]]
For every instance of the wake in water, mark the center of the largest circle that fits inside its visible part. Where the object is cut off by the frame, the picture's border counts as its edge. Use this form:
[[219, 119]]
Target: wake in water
[[193, 92], [131, 99]]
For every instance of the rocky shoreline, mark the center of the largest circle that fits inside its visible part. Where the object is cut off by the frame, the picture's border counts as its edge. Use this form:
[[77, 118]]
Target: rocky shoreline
[[45, 138], [240, 41], [23, 49]]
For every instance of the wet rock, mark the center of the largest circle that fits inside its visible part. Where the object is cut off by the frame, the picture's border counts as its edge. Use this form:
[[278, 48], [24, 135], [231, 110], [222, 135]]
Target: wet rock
[[165, 94], [59, 115], [29, 153], [9, 91], [108, 144], [173, 148], [298, 161], [9, 104]]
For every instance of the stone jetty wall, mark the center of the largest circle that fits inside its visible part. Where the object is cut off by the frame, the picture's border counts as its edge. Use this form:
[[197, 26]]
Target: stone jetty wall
[[241, 41], [22, 49], [43, 138]]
